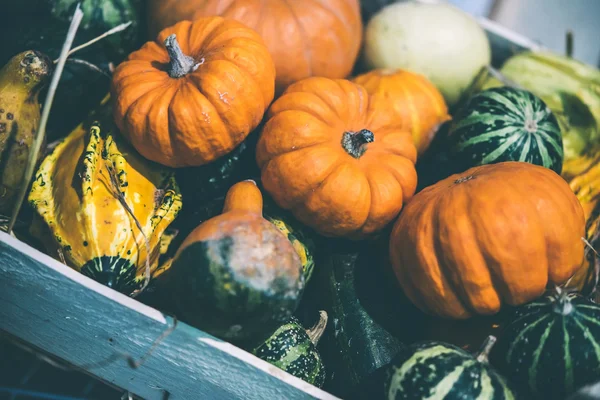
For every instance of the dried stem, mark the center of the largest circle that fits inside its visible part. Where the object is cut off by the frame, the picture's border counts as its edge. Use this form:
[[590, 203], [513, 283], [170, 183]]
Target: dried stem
[[116, 29], [39, 137], [316, 331], [88, 64]]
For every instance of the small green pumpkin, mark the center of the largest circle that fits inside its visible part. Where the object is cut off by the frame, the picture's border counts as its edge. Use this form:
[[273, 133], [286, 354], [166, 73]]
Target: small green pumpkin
[[506, 124], [552, 347], [294, 350], [437, 370]]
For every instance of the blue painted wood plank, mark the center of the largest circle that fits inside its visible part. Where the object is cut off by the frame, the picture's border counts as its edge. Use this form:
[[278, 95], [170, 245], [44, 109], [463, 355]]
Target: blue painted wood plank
[[90, 326]]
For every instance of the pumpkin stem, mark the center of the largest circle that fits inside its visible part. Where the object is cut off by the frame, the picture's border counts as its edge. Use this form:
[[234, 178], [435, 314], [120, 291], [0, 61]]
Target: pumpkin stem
[[562, 304], [484, 352], [354, 142], [180, 64], [244, 196], [316, 331]]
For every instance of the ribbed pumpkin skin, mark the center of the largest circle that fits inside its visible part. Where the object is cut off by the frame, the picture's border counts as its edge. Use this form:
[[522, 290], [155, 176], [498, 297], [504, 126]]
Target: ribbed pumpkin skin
[[305, 37], [345, 188], [435, 370], [494, 234], [196, 118], [235, 276], [75, 198], [416, 101], [551, 347], [506, 124], [290, 349]]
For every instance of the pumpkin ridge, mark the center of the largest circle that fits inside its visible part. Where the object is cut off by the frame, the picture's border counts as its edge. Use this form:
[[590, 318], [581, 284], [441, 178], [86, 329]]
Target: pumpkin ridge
[[157, 120], [438, 248], [460, 285]]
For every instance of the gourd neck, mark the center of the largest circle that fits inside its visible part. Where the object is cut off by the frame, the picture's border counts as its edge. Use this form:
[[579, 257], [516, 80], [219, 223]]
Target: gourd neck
[[316, 331], [180, 64], [355, 142], [483, 354], [244, 196]]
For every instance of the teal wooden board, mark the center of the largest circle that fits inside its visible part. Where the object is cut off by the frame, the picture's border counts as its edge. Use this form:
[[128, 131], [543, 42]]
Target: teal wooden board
[[75, 319]]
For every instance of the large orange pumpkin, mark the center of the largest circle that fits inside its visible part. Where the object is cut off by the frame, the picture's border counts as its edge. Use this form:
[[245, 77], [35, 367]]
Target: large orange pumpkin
[[305, 37], [495, 234], [416, 101], [336, 157], [194, 94]]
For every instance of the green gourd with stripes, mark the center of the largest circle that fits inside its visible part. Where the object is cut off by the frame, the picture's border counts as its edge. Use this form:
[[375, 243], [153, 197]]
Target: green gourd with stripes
[[506, 124], [435, 371], [294, 350], [552, 347]]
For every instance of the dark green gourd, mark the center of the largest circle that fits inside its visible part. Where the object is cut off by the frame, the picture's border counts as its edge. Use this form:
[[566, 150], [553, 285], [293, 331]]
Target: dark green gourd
[[349, 286], [440, 371], [506, 124], [42, 25], [552, 347], [235, 276], [294, 350]]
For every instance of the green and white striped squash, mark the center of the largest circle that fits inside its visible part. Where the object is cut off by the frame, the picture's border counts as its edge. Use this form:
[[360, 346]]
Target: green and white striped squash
[[294, 350], [506, 124], [436, 370], [552, 347]]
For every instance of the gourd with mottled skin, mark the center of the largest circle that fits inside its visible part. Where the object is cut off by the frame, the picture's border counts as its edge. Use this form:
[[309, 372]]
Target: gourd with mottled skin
[[437, 370], [20, 83], [235, 276], [82, 218], [294, 350]]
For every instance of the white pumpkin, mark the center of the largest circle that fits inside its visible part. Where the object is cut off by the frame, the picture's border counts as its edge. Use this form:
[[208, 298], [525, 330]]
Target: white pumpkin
[[435, 39]]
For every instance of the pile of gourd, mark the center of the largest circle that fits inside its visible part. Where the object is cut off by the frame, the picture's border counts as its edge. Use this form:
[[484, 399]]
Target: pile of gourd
[[254, 163]]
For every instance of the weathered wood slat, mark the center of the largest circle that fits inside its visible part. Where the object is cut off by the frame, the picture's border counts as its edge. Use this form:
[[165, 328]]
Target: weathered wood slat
[[88, 325]]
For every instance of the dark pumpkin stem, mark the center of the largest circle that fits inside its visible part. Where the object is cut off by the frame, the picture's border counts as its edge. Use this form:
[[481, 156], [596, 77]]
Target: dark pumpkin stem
[[316, 331], [180, 64], [354, 142], [562, 304], [569, 44], [484, 352]]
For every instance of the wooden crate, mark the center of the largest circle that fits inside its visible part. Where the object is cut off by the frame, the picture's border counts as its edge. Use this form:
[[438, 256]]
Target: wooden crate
[[68, 316]]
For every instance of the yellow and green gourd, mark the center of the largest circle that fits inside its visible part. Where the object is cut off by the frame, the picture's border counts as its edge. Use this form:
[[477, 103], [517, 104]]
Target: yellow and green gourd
[[79, 193]]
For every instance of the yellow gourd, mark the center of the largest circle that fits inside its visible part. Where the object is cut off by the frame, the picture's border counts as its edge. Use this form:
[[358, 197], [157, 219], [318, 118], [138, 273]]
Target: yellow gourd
[[79, 194]]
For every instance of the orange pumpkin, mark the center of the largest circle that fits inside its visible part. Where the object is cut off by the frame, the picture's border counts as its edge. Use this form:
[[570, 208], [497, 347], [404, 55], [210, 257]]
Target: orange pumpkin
[[415, 100], [194, 94], [495, 234], [336, 157], [305, 37]]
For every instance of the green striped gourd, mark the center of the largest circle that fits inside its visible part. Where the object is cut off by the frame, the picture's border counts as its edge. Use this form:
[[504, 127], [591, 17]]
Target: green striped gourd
[[552, 347], [294, 350], [103, 209], [506, 124], [436, 371]]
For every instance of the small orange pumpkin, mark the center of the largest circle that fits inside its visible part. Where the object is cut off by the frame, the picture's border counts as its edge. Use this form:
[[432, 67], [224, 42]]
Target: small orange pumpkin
[[416, 101], [194, 94], [495, 234], [305, 37], [336, 157]]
